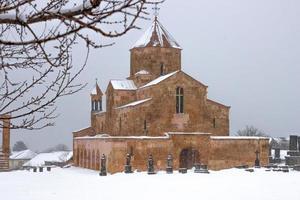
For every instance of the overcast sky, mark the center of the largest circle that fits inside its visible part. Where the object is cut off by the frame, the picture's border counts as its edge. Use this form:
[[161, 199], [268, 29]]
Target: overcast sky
[[246, 51]]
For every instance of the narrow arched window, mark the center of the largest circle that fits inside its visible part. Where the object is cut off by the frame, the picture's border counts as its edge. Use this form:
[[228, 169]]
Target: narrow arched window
[[179, 100], [214, 123], [162, 69], [120, 124], [100, 105], [96, 106]]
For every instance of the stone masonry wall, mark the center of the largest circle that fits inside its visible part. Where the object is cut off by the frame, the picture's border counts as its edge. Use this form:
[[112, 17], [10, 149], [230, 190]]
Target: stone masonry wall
[[151, 59], [228, 153], [87, 152]]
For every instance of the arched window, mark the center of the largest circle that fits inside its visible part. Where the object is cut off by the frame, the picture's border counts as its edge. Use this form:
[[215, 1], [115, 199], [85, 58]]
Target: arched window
[[214, 123], [179, 100], [100, 105], [120, 124], [162, 69], [93, 106]]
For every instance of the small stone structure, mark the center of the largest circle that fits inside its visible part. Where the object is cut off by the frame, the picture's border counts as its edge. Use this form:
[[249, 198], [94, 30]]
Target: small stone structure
[[293, 157], [169, 168], [128, 168], [151, 165], [103, 166], [4, 153]]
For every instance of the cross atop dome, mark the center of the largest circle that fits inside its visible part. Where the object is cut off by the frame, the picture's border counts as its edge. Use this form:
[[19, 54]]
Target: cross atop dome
[[156, 11], [156, 35]]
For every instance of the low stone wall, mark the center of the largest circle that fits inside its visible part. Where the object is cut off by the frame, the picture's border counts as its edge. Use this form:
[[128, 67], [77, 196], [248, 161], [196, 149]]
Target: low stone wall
[[87, 150], [216, 152], [228, 152]]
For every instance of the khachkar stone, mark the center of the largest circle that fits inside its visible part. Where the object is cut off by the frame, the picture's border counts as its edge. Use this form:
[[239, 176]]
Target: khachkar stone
[[169, 168], [277, 156], [293, 143], [257, 161], [201, 168], [151, 165], [128, 169], [103, 166], [293, 157]]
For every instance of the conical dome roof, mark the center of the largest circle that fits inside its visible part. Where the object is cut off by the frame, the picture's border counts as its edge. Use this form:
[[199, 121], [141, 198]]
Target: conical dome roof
[[96, 90], [156, 36]]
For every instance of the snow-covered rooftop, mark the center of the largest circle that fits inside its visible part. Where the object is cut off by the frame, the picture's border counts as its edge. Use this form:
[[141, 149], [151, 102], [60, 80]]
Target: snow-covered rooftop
[[159, 79], [23, 155], [134, 103], [123, 85], [39, 160], [142, 72], [96, 90], [156, 36], [238, 138]]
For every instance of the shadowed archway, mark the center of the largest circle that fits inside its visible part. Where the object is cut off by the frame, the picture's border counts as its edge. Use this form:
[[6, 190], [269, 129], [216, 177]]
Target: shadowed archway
[[188, 157]]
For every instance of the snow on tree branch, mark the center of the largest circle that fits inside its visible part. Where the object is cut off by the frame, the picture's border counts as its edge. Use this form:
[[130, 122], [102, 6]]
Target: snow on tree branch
[[36, 43]]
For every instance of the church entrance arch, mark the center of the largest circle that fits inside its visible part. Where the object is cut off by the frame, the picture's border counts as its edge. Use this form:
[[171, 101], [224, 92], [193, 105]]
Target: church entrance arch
[[188, 157]]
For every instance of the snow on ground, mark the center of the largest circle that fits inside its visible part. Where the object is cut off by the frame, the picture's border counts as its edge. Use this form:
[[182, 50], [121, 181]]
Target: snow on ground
[[82, 184]]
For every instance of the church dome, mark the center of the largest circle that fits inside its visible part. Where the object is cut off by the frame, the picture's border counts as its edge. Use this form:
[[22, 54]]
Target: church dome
[[156, 36]]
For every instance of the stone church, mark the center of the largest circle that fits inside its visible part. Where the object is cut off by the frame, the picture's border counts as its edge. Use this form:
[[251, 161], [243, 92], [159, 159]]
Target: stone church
[[160, 110]]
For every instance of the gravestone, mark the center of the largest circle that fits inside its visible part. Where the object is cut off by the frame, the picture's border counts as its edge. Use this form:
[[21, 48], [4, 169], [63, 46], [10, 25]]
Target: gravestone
[[182, 170], [48, 169], [277, 158], [34, 169], [293, 143], [103, 166], [41, 169], [151, 165], [201, 169], [293, 157], [257, 161], [169, 168], [128, 167]]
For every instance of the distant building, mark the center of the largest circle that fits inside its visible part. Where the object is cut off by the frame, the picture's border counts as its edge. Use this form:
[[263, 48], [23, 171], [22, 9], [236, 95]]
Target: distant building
[[17, 159], [159, 109], [59, 158]]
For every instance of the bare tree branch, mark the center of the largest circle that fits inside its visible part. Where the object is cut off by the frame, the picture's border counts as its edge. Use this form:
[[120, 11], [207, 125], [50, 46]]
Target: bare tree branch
[[36, 43]]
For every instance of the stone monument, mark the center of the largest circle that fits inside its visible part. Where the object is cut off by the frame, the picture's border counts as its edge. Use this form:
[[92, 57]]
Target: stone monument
[[169, 168], [257, 161], [4, 152], [151, 165], [103, 166], [293, 157], [277, 158], [128, 168]]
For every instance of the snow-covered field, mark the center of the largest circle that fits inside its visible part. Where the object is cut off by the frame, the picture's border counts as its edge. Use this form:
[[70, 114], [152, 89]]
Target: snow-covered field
[[82, 184]]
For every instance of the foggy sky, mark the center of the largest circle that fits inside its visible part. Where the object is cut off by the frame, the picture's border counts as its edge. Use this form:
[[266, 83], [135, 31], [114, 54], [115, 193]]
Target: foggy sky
[[246, 51]]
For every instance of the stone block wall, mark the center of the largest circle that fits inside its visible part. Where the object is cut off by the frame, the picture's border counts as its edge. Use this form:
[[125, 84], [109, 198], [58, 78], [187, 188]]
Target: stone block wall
[[218, 153], [151, 59], [231, 152]]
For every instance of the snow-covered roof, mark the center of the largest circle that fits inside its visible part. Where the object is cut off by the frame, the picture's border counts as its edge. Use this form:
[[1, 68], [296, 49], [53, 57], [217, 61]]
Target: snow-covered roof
[[156, 36], [238, 138], [142, 72], [96, 90], [134, 103], [39, 160], [159, 79], [23, 155], [188, 133], [123, 85], [105, 136]]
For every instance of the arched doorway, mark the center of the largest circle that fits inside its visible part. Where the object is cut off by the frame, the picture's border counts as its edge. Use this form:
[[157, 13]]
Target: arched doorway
[[188, 157]]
